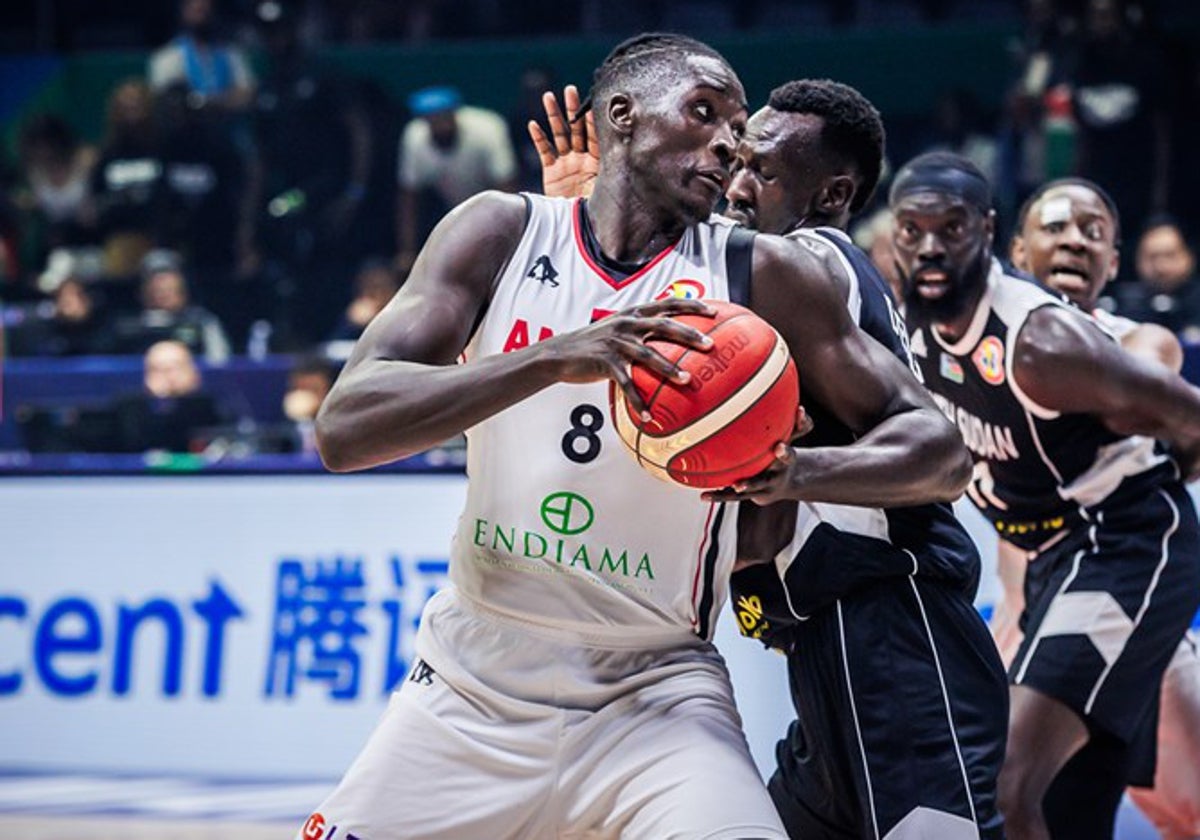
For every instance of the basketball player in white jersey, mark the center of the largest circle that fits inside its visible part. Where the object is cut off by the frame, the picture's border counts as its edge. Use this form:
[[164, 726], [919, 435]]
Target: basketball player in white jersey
[[834, 587], [1068, 236], [567, 686]]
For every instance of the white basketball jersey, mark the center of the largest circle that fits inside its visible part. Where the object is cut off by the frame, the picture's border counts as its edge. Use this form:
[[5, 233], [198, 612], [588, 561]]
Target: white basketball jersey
[[561, 527]]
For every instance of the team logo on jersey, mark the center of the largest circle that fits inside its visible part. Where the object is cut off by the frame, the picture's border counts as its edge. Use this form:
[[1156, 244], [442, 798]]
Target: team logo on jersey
[[950, 369], [314, 829], [989, 360], [750, 616], [683, 289], [422, 673], [567, 513], [543, 271]]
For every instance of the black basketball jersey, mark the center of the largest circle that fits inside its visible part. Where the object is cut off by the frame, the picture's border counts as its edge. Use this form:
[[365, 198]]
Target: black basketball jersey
[[837, 548], [1036, 470]]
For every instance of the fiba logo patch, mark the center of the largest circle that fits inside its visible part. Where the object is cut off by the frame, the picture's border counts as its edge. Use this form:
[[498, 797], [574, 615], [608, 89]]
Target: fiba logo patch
[[989, 360], [683, 290]]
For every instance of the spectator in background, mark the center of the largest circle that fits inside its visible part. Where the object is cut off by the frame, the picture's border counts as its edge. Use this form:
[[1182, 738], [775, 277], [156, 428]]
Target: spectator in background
[[1047, 42], [316, 150], [172, 410], [374, 286], [71, 323], [309, 382], [168, 314], [874, 235], [216, 73], [1119, 98], [533, 83], [205, 207], [125, 181], [959, 126], [448, 152], [1184, 199], [56, 168], [1168, 290]]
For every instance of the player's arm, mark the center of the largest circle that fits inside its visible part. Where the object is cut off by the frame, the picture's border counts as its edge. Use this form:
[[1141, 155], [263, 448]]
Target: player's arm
[[1063, 362], [1156, 344], [906, 453], [402, 392]]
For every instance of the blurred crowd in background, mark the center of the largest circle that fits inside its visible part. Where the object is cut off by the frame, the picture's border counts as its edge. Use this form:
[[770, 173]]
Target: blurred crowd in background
[[246, 200]]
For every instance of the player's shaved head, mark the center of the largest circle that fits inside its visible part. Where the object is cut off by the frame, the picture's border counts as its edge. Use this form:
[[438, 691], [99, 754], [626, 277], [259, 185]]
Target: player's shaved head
[[645, 63]]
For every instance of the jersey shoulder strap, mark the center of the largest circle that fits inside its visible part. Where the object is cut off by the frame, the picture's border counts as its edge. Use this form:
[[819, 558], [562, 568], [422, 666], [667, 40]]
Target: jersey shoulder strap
[[739, 255]]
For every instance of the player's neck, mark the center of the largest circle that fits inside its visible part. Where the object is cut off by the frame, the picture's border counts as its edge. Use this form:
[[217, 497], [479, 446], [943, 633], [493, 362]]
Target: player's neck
[[626, 228], [819, 220]]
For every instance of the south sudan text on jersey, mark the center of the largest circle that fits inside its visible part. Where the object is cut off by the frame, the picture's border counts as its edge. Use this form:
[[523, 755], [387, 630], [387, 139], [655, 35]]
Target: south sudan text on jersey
[[994, 443]]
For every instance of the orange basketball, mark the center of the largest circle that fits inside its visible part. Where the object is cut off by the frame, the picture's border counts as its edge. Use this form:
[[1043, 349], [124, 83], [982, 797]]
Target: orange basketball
[[722, 426]]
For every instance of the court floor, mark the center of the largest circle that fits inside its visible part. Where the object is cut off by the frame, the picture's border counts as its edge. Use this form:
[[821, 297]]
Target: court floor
[[131, 828], [83, 807]]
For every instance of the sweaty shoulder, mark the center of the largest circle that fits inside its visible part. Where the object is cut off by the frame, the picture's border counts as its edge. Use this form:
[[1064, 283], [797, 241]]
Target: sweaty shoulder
[[1050, 331], [798, 262], [1057, 349], [791, 287], [505, 212], [471, 245], [488, 225], [826, 253]]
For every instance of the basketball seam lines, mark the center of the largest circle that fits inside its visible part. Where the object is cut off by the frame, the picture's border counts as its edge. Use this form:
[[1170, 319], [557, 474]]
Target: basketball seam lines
[[658, 451]]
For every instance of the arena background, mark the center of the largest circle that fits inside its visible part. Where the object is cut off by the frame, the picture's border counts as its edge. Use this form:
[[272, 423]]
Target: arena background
[[198, 642]]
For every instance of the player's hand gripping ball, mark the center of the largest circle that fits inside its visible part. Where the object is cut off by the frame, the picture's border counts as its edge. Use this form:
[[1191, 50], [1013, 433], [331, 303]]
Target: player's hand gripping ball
[[723, 424]]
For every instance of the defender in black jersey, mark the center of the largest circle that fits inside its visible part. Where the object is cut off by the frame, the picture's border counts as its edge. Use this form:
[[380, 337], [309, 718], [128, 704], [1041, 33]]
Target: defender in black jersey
[[1060, 421], [898, 688]]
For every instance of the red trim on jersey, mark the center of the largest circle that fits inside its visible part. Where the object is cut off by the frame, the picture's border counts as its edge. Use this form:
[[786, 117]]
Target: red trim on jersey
[[577, 226], [712, 506]]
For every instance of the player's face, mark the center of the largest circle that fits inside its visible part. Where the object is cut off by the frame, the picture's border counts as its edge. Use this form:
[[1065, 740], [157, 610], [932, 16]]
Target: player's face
[[1068, 242], [683, 148], [777, 171], [943, 246]]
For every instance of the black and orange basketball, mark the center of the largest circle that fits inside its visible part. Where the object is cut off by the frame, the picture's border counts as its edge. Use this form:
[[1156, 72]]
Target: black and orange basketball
[[722, 426]]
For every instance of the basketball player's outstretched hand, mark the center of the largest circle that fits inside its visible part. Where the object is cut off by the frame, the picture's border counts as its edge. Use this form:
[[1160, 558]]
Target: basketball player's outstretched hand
[[569, 163], [609, 347]]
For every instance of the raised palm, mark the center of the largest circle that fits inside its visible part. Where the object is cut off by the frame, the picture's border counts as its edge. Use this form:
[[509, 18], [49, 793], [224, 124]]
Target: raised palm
[[569, 164]]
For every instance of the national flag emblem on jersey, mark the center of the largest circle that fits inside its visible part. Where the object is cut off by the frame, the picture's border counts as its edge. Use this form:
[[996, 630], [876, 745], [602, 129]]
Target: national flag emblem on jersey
[[989, 360], [684, 290], [950, 369]]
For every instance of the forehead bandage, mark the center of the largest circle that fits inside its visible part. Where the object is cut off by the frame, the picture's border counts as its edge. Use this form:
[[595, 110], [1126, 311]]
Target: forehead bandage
[[1056, 210]]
